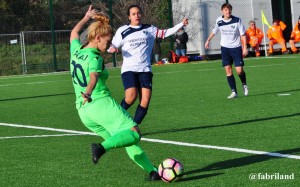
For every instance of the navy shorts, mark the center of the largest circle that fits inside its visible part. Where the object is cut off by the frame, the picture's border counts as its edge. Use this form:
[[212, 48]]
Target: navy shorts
[[137, 79], [232, 55]]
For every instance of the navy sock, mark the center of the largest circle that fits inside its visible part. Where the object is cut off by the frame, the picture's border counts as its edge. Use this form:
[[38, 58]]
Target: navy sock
[[140, 113], [231, 82], [243, 78], [124, 104]]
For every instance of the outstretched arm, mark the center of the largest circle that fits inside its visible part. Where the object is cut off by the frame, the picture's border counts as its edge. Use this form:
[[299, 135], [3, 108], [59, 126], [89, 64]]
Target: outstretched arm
[[88, 15], [168, 32]]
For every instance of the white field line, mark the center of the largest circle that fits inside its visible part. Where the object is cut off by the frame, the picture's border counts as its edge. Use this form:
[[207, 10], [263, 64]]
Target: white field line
[[118, 76], [34, 75], [224, 148], [34, 83], [239, 150], [40, 136], [68, 72], [46, 128], [186, 71]]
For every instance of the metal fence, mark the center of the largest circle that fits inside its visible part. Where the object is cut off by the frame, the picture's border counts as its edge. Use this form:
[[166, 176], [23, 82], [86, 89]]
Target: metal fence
[[24, 49], [32, 52], [43, 27], [11, 54]]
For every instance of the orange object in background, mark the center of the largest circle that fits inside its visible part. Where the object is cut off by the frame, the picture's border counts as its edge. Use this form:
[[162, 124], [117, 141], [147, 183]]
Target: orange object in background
[[254, 36], [173, 57], [295, 36], [183, 59], [276, 36]]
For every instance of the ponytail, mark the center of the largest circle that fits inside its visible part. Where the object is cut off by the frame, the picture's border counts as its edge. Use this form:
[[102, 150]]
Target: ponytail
[[99, 27]]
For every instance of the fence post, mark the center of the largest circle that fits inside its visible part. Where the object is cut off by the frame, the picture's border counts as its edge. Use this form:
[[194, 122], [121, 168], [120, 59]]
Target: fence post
[[170, 22], [24, 63], [111, 24], [52, 35]]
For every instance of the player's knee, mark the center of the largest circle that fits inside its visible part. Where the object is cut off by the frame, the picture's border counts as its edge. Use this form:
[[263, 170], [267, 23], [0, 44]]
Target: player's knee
[[145, 102], [130, 97], [240, 71], [228, 72]]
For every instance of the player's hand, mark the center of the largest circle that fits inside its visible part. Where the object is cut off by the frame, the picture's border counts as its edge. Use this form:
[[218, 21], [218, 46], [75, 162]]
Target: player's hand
[[112, 49], [91, 12], [207, 44], [86, 98], [185, 21], [245, 51], [178, 41]]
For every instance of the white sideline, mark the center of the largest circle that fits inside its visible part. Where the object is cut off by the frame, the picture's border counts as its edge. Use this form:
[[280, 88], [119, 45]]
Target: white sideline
[[162, 141], [118, 76], [39, 136]]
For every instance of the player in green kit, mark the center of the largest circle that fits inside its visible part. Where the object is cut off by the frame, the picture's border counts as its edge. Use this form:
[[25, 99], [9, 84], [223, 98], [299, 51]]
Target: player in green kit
[[97, 110]]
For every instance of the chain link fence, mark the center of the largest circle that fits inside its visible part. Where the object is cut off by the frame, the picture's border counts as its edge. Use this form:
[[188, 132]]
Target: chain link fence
[[30, 44]]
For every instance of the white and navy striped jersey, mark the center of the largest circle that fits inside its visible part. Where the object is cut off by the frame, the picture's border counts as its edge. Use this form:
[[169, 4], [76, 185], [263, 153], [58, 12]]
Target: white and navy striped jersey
[[137, 43], [231, 31]]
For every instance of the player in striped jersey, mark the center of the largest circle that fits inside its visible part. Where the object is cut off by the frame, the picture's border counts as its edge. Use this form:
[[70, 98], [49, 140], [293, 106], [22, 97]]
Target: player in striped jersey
[[232, 31], [137, 40]]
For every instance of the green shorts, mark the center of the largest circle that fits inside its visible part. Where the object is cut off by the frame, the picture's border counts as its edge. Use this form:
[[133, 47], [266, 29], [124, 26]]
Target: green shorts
[[105, 117]]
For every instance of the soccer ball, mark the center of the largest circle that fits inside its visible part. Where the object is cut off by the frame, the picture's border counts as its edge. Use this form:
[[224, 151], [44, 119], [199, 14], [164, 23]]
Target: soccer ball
[[170, 170]]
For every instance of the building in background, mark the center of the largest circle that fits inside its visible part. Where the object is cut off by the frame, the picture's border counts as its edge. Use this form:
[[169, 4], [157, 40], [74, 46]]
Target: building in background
[[202, 15]]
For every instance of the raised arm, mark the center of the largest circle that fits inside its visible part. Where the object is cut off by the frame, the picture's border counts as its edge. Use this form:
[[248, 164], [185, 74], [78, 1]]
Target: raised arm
[[168, 32], [88, 15]]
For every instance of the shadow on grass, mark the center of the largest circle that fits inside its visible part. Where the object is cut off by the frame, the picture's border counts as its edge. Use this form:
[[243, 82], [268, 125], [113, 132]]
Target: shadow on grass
[[223, 125], [35, 97], [233, 163], [244, 161], [198, 177], [271, 93]]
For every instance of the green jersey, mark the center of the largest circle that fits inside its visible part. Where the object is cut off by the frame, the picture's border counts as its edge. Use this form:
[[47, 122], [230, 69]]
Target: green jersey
[[83, 62]]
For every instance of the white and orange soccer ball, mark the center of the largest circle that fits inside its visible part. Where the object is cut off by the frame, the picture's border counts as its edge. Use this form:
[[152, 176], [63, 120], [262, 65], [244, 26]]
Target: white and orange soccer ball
[[170, 170]]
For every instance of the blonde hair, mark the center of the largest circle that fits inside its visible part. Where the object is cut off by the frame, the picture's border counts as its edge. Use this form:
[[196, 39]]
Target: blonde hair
[[99, 27]]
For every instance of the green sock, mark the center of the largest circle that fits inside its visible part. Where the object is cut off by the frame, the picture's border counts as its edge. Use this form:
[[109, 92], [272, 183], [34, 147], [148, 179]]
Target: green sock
[[122, 139], [137, 154]]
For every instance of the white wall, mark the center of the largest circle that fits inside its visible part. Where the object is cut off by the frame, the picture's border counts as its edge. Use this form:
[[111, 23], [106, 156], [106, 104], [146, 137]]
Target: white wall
[[202, 15], [295, 8]]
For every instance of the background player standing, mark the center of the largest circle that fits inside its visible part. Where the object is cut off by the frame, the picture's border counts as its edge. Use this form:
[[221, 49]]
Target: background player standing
[[232, 31], [137, 40]]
